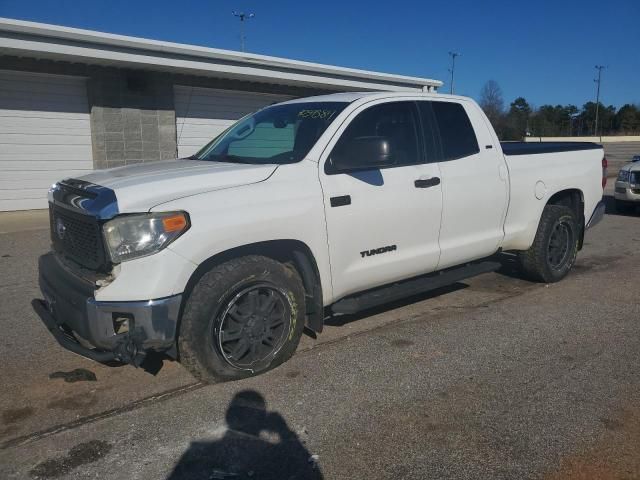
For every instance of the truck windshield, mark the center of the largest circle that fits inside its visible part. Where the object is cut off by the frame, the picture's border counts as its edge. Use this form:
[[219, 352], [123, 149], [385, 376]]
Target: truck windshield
[[277, 134]]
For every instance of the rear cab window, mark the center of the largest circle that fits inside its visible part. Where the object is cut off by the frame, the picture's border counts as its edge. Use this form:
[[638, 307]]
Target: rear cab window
[[448, 122]]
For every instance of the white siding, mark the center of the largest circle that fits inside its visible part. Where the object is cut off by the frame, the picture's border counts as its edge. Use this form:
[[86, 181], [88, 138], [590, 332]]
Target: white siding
[[203, 113], [45, 135]]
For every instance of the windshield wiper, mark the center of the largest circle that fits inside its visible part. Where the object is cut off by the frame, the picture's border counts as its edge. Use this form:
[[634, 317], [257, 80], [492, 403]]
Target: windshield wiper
[[229, 159]]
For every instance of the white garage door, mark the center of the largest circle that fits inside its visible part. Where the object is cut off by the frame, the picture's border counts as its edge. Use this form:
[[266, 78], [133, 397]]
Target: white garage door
[[203, 113], [45, 135]]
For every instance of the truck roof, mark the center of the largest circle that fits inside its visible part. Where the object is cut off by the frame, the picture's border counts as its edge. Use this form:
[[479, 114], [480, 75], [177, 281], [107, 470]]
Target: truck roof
[[353, 96]]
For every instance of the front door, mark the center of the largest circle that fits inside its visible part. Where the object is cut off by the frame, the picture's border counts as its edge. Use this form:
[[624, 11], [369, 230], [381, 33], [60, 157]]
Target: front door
[[383, 223]]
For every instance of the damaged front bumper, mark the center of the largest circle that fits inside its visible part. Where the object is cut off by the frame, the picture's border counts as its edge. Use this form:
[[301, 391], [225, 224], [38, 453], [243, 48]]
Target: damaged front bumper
[[103, 331]]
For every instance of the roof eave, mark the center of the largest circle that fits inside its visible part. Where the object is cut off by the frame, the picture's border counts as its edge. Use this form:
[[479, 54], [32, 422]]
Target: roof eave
[[62, 43]]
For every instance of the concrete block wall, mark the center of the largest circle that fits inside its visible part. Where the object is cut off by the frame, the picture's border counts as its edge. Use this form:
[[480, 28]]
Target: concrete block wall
[[132, 117]]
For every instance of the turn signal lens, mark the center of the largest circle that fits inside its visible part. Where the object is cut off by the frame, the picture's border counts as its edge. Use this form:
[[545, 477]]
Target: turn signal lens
[[175, 223]]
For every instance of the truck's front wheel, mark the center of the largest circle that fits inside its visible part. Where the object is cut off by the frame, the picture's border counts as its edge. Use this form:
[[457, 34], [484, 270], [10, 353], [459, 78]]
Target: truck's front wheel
[[555, 246], [242, 318]]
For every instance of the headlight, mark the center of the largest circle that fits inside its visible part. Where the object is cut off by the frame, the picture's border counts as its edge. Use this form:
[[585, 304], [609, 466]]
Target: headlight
[[623, 176], [132, 236]]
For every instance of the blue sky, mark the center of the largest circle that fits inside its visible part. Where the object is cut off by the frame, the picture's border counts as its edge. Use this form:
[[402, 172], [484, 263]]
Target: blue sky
[[542, 50]]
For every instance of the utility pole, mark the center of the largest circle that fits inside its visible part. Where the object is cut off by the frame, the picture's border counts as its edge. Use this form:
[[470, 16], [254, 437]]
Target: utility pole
[[453, 56], [242, 16], [597, 80]]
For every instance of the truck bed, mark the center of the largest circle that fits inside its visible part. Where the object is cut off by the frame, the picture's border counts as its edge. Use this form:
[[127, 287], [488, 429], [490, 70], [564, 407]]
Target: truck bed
[[536, 172], [533, 148]]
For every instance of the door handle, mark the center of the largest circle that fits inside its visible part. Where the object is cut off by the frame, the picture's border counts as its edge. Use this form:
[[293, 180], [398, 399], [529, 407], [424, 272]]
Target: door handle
[[340, 201], [427, 182]]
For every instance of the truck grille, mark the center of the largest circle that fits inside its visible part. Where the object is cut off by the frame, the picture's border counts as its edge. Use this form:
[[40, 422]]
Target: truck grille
[[77, 237]]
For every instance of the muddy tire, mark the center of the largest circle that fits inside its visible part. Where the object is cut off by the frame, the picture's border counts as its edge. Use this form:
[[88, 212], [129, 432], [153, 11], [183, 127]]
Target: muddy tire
[[555, 246], [242, 318]]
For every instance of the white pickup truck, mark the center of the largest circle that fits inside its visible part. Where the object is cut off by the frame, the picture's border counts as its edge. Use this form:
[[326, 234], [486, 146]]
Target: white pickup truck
[[311, 207]]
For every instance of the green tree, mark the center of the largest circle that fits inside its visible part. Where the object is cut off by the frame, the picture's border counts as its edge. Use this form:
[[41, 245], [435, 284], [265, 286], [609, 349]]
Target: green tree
[[606, 118], [628, 119], [517, 120], [546, 121]]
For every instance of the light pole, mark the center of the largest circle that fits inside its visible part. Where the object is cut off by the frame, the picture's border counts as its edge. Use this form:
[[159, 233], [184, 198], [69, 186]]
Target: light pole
[[453, 56], [242, 16], [597, 80]]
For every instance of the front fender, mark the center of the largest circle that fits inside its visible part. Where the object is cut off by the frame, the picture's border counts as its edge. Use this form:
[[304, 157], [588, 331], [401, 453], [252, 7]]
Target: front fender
[[288, 205]]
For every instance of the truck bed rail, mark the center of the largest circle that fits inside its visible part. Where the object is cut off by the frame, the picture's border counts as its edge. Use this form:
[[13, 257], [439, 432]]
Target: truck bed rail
[[534, 148]]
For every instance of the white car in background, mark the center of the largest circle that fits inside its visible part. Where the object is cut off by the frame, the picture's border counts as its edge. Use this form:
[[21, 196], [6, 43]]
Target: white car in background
[[627, 189]]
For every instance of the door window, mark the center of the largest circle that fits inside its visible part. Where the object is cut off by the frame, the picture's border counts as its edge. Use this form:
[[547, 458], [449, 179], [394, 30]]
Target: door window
[[396, 123]]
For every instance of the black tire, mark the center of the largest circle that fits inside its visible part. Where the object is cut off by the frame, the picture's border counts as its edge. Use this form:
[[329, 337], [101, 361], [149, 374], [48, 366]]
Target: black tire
[[233, 295], [555, 246]]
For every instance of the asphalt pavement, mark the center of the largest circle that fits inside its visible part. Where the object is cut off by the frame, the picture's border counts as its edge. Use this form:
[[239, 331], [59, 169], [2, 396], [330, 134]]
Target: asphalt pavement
[[494, 377]]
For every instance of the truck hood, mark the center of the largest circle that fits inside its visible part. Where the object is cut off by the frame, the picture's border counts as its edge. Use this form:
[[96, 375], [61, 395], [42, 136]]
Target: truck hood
[[141, 186]]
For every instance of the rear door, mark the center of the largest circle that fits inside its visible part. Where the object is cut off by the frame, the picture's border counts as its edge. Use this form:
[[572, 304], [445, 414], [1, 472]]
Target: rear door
[[382, 223], [474, 182]]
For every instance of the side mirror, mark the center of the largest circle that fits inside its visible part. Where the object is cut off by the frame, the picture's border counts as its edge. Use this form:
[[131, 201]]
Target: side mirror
[[363, 153]]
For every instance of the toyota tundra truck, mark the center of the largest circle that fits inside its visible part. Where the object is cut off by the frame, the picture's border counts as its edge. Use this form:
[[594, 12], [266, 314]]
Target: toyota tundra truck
[[309, 208]]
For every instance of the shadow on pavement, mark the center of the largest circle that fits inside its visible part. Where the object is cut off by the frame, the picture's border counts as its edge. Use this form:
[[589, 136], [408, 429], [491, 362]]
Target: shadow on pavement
[[257, 444], [510, 265], [611, 209]]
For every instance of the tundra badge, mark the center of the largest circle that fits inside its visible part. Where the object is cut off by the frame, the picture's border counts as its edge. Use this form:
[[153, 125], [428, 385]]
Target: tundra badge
[[378, 251]]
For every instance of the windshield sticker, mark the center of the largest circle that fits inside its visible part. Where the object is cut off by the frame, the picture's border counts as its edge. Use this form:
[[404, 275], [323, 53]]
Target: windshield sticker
[[319, 114]]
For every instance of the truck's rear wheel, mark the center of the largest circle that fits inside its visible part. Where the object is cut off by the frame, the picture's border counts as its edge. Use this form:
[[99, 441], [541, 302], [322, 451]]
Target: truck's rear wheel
[[242, 318], [555, 246]]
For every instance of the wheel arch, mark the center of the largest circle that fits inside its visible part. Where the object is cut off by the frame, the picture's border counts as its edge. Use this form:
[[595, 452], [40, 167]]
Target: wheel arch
[[293, 253], [572, 198]]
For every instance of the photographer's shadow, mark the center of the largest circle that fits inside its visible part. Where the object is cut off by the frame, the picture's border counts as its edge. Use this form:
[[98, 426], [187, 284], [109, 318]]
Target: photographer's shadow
[[257, 445]]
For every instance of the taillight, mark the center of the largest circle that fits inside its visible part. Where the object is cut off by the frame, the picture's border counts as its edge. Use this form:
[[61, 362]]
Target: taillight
[[605, 164]]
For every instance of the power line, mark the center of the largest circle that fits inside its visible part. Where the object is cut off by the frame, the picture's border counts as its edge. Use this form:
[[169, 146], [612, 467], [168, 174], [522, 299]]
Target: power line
[[242, 16], [453, 56], [598, 81]]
